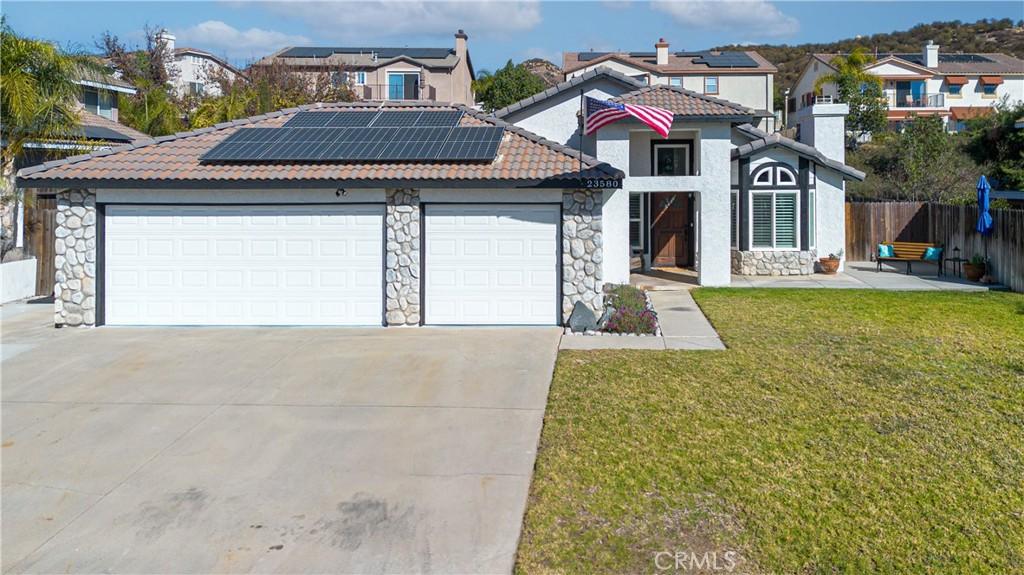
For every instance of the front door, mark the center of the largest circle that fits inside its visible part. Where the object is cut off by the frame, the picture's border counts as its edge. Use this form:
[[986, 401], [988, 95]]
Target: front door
[[671, 224]]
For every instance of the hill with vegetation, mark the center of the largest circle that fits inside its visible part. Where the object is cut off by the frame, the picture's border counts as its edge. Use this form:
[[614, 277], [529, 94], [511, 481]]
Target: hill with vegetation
[[1004, 36]]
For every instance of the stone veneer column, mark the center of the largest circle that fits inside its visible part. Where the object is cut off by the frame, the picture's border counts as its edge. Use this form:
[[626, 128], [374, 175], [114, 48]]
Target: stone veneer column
[[402, 268], [582, 250], [74, 289]]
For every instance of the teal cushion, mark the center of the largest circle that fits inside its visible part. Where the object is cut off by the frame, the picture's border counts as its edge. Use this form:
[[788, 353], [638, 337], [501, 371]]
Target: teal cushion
[[885, 251], [932, 254]]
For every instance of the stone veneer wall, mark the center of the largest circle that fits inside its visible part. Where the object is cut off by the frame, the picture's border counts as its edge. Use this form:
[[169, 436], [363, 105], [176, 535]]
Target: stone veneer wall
[[74, 289], [582, 250], [773, 263], [402, 268]]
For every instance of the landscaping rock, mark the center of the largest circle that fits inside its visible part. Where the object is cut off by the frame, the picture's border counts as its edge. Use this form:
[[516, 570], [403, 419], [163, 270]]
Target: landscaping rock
[[582, 318]]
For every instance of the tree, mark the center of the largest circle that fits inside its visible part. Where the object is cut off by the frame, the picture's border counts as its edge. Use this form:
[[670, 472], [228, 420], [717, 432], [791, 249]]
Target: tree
[[38, 95], [507, 86], [858, 89], [998, 144], [154, 109], [268, 88]]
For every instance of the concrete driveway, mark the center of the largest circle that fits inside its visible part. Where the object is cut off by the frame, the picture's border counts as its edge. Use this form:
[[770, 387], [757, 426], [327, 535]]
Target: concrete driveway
[[209, 450]]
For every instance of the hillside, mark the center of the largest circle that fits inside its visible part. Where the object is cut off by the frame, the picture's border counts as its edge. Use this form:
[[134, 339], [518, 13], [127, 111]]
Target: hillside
[[549, 73], [982, 36]]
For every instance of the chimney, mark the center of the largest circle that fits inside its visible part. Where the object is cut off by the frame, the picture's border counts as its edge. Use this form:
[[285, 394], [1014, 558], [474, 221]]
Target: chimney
[[167, 38], [931, 55], [823, 126], [460, 44], [662, 49]]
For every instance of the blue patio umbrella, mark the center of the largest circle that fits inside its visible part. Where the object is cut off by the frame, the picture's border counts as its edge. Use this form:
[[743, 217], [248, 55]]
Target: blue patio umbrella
[[984, 225]]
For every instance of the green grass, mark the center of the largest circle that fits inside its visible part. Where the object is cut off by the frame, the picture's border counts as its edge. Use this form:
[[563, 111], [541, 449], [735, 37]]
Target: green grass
[[842, 432]]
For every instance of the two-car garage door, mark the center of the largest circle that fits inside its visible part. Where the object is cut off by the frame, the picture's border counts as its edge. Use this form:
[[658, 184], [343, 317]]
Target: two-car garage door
[[323, 264]]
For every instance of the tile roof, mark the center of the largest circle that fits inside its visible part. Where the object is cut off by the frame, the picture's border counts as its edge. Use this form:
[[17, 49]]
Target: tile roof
[[678, 62], [523, 158], [761, 140], [88, 119], [955, 63], [209, 55], [368, 57], [684, 102], [599, 72]]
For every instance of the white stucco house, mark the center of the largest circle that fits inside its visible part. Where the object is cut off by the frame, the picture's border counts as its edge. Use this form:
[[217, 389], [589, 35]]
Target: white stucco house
[[954, 86], [196, 72], [718, 195]]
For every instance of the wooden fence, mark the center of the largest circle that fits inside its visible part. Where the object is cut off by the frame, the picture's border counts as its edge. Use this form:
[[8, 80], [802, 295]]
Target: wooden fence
[[40, 225], [871, 223]]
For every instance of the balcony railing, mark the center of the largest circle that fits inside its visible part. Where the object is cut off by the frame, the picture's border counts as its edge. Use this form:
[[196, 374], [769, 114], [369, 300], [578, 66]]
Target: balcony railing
[[920, 101], [390, 92]]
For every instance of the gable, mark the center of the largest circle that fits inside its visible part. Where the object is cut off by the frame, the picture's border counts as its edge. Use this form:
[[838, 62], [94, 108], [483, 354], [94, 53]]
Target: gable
[[891, 67]]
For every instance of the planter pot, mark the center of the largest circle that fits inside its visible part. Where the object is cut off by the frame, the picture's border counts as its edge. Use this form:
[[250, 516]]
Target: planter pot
[[974, 272], [829, 265]]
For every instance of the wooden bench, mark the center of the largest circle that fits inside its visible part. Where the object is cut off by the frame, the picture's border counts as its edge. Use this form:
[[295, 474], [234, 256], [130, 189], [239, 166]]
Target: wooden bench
[[909, 252]]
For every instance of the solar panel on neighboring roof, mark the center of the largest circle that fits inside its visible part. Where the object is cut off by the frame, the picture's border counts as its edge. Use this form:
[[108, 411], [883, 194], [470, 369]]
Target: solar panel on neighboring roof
[[387, 119], [324, 52], [336, 144], [726, 60], [964, 58], [103, 133]]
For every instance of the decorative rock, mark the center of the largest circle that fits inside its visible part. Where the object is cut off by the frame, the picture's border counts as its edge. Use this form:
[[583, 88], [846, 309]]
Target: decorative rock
[[402, 268], [74, 278], [582, 318], [773, 263]]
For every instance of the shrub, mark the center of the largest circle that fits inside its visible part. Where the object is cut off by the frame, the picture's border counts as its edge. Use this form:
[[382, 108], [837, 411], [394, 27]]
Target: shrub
[[630, 313]]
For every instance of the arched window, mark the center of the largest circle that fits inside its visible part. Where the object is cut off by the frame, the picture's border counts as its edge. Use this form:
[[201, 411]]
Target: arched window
[[763, 177]]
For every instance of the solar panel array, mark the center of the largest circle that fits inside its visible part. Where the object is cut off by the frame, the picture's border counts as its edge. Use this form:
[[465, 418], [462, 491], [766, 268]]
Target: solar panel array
[[386, 53], [350, 136], [726, 60]]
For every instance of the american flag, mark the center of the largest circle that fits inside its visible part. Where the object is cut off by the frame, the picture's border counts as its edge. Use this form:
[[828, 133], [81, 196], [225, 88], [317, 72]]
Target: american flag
[[600, 113]]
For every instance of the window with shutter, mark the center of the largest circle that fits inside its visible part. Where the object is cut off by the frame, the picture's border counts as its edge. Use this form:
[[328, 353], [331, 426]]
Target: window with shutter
[[636, 238], [734, 211], [761, 206], [785, 221]]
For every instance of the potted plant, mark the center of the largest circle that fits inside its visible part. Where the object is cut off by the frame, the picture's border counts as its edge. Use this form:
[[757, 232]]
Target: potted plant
[[975, 268], [830, 265]]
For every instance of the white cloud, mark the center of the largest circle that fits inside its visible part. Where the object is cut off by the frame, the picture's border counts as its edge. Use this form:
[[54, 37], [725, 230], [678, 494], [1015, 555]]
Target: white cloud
[[343, 22], [223, 39], [755, 17]]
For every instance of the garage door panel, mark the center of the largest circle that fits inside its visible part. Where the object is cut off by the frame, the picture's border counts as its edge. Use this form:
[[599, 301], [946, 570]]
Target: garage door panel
[[244, 265], [491, 264]]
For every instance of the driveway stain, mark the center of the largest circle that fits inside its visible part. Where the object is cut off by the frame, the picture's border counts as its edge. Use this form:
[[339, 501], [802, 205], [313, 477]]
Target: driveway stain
[[362, 518], [176, 509]]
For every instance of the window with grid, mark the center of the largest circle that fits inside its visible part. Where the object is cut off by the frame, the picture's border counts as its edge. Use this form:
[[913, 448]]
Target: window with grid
[[774, 220]]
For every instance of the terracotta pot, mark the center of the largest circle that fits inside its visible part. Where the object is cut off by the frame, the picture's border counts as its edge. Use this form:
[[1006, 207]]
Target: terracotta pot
[[829, 265], [974, 272]]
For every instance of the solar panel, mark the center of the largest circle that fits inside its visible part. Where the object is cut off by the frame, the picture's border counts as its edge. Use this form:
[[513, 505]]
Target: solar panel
[[396, 118], [309, 119], [472, 143], [351, 119], [439, 118], [725, 60]]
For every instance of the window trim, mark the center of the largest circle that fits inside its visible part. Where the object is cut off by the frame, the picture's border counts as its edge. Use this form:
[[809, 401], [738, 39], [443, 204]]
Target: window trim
[[688, 144], [638, 248], [717, 87], [675, 81], [410, 72]]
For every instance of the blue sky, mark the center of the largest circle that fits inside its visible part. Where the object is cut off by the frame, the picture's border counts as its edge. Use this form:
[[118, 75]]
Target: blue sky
[[245, 30]]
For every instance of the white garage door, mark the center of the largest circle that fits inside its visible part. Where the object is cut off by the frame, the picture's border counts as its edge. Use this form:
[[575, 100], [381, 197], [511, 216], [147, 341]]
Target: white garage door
[[243, 265], [491, 264]]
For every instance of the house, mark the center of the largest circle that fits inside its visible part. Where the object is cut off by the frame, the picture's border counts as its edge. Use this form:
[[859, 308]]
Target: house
[[196, 72], [718, 195], [400, 214], [954, 86], [375, 73], [742, 77]]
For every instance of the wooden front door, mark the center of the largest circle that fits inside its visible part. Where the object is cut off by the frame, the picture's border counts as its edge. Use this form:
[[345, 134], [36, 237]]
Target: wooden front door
[[671, 225]]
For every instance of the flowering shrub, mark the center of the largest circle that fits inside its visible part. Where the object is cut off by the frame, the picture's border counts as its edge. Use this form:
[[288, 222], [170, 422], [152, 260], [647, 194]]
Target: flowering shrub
[[630, 313]]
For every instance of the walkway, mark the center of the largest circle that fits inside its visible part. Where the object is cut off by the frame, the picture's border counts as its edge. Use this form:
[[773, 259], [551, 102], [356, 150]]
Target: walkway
[[683, 326]]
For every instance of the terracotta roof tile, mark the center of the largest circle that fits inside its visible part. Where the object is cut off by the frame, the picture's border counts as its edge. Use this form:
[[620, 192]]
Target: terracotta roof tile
[[683, 102], [521, 155]]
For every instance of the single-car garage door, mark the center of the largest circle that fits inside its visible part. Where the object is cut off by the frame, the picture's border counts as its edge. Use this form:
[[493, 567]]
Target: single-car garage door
[[243, 265], [491, 264]]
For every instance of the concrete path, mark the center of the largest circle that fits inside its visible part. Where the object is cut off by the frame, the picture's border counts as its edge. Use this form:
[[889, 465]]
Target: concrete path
[[252, 450], [864, 275], [683, 326]]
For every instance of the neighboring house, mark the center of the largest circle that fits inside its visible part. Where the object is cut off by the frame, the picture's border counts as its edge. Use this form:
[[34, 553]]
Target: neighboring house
[[718, 194], [953, 86], [744, 78], [99, 92], [464, 224], [428, 74], [196, 72]]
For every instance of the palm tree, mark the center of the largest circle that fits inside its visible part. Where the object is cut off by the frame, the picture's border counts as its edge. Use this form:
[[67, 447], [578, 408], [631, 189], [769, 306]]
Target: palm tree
[[38, 95], [849, 70]]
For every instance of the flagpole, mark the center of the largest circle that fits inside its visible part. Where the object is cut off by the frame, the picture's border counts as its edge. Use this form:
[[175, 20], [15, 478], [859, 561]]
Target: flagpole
[[582, 113]]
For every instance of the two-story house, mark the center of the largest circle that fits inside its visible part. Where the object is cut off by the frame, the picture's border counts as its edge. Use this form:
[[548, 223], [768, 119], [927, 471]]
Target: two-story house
[[718, 194], [196, 72], [381, 73], [953, 86], [744, 78]]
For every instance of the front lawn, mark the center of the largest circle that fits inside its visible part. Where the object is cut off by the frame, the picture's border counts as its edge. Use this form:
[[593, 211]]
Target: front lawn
[[841, 432]]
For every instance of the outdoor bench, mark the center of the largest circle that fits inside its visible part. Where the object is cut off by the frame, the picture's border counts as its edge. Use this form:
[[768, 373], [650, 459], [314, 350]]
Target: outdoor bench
[[909, 252]]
